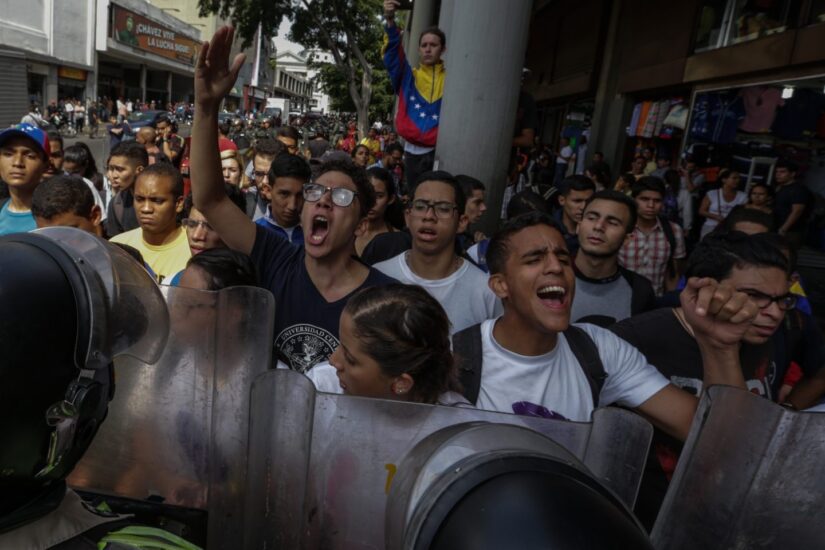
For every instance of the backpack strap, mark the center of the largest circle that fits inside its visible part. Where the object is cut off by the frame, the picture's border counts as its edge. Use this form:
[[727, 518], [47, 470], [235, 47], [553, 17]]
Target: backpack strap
[[467, 348], [671, 240], [587, 354]]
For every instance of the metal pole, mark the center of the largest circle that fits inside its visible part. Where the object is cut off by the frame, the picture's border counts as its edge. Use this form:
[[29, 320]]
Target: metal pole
[[488, 39]]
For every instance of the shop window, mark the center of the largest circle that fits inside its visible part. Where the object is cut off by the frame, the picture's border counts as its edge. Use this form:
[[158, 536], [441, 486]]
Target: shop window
[[817, 12], [727, 22]]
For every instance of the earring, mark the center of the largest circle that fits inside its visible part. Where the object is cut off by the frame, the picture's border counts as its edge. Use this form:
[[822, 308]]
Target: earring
[[399, 391]]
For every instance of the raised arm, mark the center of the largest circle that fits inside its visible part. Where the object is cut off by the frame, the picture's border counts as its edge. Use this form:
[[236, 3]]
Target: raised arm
[[213, 80], [719, 316], [393, 53]]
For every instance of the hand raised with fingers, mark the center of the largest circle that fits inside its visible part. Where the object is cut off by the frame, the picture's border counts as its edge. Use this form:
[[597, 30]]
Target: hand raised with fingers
[[213, 75], [389, 8], [718, 314]]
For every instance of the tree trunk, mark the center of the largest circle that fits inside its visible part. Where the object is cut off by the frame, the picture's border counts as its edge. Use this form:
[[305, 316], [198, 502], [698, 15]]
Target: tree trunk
[[362, 105]]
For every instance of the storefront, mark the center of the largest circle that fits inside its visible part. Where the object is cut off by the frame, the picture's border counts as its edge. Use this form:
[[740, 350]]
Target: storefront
[[657, 124], [71, 83], [148, 55], [749, 126]]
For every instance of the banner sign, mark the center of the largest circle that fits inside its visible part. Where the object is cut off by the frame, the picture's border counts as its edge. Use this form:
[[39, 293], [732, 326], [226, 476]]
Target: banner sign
[[135, 30], [73, 74]]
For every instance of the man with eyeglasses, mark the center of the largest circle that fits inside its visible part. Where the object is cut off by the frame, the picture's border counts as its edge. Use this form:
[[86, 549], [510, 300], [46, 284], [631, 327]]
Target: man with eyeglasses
[[311, 284], [433, 217], [752, 264]]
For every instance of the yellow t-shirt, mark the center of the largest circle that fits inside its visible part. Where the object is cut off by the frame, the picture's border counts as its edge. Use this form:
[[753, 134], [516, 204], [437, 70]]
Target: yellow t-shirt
[[374, 146], [165, 260]]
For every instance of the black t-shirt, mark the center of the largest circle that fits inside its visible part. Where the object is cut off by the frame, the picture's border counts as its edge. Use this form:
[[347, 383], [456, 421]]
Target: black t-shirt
[[786, 197], [121, 216], [317, 148], [670, 348], [306, 325]]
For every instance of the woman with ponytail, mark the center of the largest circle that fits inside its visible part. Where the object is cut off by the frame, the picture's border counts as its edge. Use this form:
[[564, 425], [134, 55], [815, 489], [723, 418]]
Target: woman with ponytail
[[394, 344]]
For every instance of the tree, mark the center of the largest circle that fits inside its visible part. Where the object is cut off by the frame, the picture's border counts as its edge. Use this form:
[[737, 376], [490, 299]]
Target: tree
[[349, 29], [247, 15]]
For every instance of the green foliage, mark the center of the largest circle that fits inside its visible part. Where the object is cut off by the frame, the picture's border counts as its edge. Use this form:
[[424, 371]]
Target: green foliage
[[349, 29], [247, 14], [334, 84]]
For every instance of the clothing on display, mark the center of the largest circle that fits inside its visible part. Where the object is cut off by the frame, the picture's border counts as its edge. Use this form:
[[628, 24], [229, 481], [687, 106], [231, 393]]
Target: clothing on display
[[716, 116], [799, 117], [760, 104]]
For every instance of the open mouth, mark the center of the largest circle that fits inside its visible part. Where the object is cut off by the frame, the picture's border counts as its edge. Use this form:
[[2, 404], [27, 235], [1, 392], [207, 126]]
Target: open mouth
[[427, 234], [320, 229], [552, 296]]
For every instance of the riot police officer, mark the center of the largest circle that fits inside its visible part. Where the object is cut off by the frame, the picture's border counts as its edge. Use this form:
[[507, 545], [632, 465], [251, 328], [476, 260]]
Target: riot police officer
[[91, 302]]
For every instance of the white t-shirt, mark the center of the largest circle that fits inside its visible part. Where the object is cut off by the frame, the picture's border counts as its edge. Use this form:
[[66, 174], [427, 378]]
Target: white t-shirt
[[464, 295], [721, 207], [564, 155], [325, 378], [555, 381]]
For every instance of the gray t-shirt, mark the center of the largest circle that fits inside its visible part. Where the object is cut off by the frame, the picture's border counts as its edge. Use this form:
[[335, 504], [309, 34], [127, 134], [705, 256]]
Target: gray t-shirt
[[609, 299], [464, 295]]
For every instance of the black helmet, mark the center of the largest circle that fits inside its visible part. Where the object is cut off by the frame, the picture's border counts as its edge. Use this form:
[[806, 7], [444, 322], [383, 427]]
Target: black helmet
[[69, 304]]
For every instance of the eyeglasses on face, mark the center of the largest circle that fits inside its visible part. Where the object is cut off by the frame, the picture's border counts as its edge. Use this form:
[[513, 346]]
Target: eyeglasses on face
[[442, 209], [785, 302], [341, 196], [189, 223]]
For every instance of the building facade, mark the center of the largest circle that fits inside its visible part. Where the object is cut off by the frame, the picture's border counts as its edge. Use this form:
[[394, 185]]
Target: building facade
[[303, 86], [633, 77], [42, 57], [144, 53]]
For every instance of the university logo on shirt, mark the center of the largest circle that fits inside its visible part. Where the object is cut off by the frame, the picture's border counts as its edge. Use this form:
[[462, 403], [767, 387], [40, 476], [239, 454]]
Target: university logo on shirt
[[303, 346]]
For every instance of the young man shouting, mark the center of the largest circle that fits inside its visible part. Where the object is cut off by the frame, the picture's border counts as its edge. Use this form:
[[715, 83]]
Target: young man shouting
[[312, 284], [531, 359]]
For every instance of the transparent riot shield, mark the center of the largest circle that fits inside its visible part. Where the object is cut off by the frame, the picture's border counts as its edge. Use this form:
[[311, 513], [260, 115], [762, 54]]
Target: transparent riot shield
[[177, 430], [321, 466], [749, 476]]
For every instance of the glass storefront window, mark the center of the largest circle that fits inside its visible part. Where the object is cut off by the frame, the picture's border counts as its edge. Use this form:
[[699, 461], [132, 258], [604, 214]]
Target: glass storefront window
[[817, 12], [755, 18], [726, 22], [711, 24]]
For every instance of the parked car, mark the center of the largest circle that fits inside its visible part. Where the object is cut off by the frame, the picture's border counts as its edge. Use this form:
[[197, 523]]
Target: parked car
[[139, 119]]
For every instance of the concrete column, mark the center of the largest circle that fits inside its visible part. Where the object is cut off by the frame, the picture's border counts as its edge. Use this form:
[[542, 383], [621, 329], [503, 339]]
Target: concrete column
[[143, 83], [611, 110], [51, 85], [481, 93], [445, 23], [169, 97], [423, 16]]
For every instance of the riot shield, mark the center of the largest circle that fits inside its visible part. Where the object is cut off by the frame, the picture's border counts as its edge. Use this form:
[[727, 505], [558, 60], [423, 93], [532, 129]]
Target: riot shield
[[748, 477], [321, 465], [177, 429]]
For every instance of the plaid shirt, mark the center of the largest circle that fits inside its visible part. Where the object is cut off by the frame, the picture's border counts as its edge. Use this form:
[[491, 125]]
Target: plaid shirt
[[647, 253]]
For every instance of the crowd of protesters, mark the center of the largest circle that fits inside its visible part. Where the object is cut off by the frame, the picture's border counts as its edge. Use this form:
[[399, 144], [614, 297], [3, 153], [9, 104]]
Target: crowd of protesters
[[385, 283]]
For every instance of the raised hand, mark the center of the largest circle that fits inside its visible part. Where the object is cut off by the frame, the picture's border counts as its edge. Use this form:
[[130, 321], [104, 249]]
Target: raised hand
[[389, 8], [213, 75], [718, 314]]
